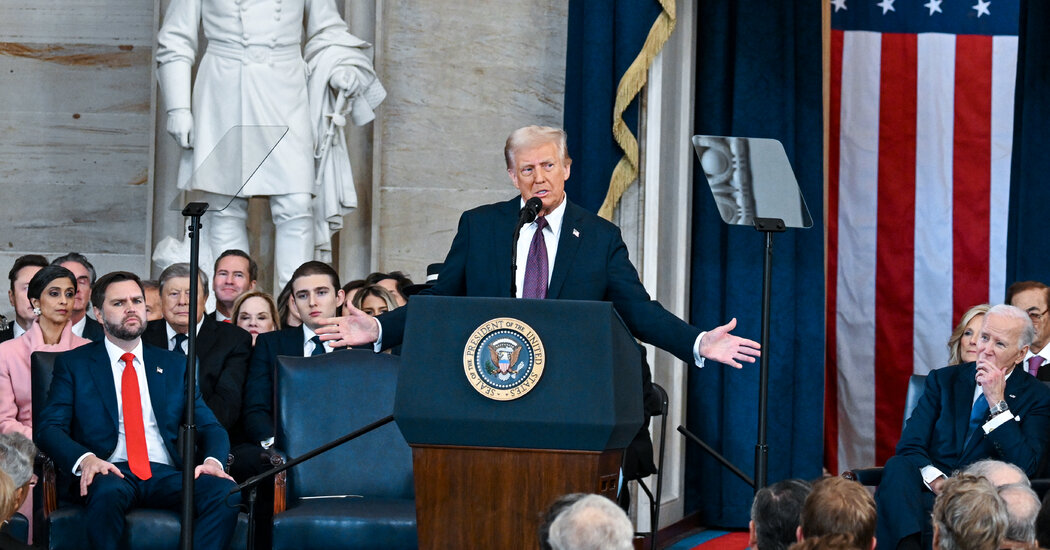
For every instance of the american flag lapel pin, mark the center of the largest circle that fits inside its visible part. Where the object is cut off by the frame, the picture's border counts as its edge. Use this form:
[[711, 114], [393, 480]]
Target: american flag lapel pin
[[575, 232], [160, 370]]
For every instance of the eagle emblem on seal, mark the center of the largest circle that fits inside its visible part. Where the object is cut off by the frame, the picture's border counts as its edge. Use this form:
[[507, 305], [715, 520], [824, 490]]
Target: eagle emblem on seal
[[503, 357]]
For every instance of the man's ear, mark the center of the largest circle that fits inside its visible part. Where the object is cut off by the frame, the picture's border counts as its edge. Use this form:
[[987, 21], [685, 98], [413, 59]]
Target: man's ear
[[873, 541], [798, 534], [340, 298], [752, 536], [936, 536], [252, 285]]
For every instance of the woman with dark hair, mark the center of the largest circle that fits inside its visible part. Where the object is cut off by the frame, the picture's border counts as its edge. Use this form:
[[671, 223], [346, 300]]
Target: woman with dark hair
[[51, 293], [286, 311]]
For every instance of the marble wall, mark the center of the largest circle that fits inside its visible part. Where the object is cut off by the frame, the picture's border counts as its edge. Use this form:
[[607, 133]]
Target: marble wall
[[76, 118]]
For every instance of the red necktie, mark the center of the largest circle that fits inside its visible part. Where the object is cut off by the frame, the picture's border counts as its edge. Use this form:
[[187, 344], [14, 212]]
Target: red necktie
[[134, 432]]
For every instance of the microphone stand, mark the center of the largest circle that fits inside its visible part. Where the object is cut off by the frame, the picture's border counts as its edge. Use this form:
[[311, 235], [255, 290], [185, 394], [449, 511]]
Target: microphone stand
[[527, 215], [254, 481], [193, 210]]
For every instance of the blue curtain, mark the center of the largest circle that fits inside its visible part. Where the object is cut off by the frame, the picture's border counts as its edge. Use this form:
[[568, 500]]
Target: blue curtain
[[758, 75], [604, 37], [1028, 249]]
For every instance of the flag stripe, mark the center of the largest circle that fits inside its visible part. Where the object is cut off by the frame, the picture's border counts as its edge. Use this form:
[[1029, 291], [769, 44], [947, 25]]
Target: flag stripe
[[971, 181], [831, 401], [1004, 74], [933, 201], [894, 279], [855, 277]]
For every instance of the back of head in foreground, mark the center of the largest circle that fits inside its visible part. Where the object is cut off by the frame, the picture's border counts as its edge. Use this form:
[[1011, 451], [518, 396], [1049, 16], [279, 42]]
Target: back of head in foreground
[[968, 515], [775, 514], [839, 506], [592, 523]]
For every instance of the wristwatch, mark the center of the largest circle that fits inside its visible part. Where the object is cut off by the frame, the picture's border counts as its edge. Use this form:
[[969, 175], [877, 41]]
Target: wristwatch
[[999, 408]]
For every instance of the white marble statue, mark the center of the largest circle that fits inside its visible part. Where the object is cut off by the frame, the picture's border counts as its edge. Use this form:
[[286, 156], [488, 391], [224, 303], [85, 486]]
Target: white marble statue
[[258, 70]]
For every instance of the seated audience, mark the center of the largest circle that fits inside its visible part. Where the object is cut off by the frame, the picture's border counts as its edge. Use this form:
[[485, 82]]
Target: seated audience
[[256, 312], [349, 290], [835, 541], [962, 346], [968, 515], [286, 311], [51, 293], [318, 295], [560, 504], [235, 273], [1033, 297], [374, 300], [775, 514], [111, 469], [21, 272], [839, 506], [592, 523], [395, 282], [222, 349], [998, 472], [83, 325], [1009, 420], [153, 307], [1022, 509], [17, 453]]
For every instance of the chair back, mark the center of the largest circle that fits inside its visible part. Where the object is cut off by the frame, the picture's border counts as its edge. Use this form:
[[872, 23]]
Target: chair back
[[41, 365], [322, 398], [915, 386]]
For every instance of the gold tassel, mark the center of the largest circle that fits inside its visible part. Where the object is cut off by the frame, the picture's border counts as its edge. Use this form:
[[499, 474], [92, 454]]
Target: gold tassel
[[626, 171]]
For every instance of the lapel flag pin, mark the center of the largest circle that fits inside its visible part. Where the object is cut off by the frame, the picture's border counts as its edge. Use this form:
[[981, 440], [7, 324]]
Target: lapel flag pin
[[160, 370], [575, 232]]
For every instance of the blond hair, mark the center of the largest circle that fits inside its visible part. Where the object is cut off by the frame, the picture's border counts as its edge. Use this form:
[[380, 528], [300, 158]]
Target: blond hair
[[954, 353]]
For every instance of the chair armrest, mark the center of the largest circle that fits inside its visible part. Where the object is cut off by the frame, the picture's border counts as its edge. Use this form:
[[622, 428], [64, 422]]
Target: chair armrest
[[870, 477], [50, 483], [280, 481]]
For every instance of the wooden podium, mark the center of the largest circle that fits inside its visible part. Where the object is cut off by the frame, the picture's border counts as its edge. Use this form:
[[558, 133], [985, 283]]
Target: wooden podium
[[491, 453]]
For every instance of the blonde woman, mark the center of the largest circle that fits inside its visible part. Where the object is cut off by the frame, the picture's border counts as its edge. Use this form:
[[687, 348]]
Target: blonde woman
[[962, 346]]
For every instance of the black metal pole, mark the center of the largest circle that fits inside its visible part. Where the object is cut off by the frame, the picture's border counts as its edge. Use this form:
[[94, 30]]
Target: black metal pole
[[761, 448], [194, 211], [721, 459]]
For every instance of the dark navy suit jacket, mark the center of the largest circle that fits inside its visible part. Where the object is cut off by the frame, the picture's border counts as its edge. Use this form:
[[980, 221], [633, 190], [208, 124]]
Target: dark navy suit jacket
[[258, 389], [81, 412], [591, 264], [936, 432]]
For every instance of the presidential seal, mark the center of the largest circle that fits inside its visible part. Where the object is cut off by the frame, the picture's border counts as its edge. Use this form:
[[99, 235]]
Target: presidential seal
[[503, 359]]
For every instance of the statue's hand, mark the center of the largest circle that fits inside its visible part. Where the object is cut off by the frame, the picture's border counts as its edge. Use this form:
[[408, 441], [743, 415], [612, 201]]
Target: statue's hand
[[345, 80], [180, 126]]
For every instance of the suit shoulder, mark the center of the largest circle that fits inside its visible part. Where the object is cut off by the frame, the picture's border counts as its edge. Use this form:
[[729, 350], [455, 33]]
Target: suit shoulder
[[496, 209], [230, 330]]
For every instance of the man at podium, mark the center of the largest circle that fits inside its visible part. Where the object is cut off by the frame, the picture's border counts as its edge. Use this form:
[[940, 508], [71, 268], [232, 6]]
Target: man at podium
[[565, 253]]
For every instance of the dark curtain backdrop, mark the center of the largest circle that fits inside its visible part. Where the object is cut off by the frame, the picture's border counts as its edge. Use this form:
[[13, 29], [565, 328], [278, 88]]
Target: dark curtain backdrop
[[1028, 249], [604, 37], [758, 75]]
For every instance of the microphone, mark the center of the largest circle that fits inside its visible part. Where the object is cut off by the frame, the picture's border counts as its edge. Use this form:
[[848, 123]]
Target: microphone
[[529, 211], [527, 215]]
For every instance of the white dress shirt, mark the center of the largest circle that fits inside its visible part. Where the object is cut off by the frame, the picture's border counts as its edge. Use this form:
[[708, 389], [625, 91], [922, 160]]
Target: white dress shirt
[[308, 344], [185, 343], [78, 327]]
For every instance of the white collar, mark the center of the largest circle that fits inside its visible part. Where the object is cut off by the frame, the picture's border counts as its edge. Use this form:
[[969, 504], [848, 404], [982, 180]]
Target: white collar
[[555, 218], [115, 351]]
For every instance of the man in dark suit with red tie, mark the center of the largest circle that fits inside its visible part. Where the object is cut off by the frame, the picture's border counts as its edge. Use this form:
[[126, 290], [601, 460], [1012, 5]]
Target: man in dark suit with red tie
[[968, 412], [112, 420]]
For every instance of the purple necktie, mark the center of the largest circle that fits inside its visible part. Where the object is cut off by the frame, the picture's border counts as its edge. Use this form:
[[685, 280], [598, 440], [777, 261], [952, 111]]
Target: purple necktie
[[535, 285], [1034, 362]]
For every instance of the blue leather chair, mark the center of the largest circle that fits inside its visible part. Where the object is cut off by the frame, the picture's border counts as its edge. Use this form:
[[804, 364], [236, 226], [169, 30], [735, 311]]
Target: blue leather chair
[[360, 494], [873, 476], [155, 529]]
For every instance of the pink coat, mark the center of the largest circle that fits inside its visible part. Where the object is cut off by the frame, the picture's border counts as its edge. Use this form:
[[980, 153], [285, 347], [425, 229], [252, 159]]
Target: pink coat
[[16, 407]]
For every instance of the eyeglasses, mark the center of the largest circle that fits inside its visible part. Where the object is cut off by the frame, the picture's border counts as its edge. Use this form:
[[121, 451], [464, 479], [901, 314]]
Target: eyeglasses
[[1035, 315]]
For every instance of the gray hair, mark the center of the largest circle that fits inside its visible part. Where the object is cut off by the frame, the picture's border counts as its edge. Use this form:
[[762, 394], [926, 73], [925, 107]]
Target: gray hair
[[1022, 509], [16, 457], [969, 515], [534, 136], [1016, 313], [993, 470], [592, 523], [182, 269]]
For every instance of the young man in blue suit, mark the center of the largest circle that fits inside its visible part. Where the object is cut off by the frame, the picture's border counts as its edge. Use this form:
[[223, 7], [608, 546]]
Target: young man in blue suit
[[112, 420], [968, 412], [584, 258]]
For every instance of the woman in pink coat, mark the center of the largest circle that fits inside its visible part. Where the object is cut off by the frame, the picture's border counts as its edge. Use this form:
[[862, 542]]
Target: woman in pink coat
[[51, 292]]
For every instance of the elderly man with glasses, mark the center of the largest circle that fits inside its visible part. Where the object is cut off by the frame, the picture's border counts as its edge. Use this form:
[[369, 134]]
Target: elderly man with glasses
[[1034, 298]]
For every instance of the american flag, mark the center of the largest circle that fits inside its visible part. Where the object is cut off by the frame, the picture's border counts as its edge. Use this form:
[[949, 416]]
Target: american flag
[[921, 127]]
